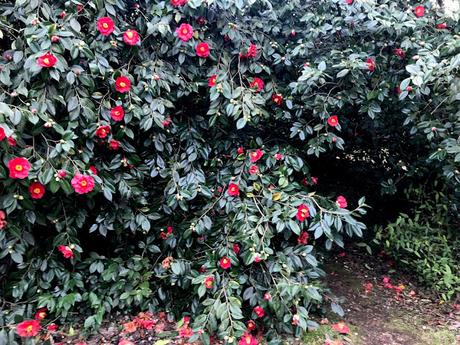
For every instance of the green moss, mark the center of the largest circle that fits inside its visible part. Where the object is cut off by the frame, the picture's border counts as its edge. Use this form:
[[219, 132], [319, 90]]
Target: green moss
[[318, 336]]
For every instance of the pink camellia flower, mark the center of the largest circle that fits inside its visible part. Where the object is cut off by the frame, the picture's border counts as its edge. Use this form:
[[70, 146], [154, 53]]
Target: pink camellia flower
[[55, 39], [257, 84], [209, 282], [333, 121], [341, 328], [114, 145], [399, 52], [441, 26], [82, 183], [341, 201], [259, 311], [349, 2], [47, 60], [278, 156], [233, 189], [419, 11], [303, 212], [28, 328], [267, 296], [117, 113], [19, 168], [247, 339], [102, 131], [178, 3], [41, 313], [66, 251], [253, 170], [225, 263], [105, 26], [256, 155], [52, 327], [277, 98], [368, 287], [202, 50], [240, 151], [303, 238], [36, 190], [370, 64], [122, 84], [184, 32], [212, 80], [131, 37]]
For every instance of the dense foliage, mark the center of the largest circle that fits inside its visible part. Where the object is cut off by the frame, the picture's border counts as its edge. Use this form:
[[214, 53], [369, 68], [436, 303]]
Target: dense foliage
[[156, 153]]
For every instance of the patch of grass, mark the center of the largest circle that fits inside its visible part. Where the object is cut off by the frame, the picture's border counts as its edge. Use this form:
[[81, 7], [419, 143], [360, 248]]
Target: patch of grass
[[317, 337], [424, 335]]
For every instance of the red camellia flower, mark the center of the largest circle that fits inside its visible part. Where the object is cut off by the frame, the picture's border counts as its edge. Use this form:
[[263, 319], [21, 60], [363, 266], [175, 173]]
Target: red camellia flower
[[233, 189], [41, 313], [259, 311], [419, 11], [209, 282], [102, 131], [441, 26], [240, 151], [19, 168], [117, 113], [333, 121], [251, 325], [236, 248], [212, 80], [277, 98], [114, 145], [52, 327], [36, 190], [370, 64], [82, 183], [399, 52], [131, 37], [66, 251], [349, 2], [303, 212], [93, 169], [341, 327], [122, 84], [105, 26], [253, 170], [184, 32], [202, 50], [11, 141], [341, 201], [177, 3], [278, 156], [256, 155], [47, 60], [257, 84], [250, 53], [303, 238], [28, 328], [247, 339], [2, 134], [225, 263]]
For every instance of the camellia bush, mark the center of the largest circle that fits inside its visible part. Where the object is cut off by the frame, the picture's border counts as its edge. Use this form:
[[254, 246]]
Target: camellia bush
[[155, 154]]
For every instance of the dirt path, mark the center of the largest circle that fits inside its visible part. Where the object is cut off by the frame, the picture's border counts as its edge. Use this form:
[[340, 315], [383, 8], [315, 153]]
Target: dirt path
[[395, 313]]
